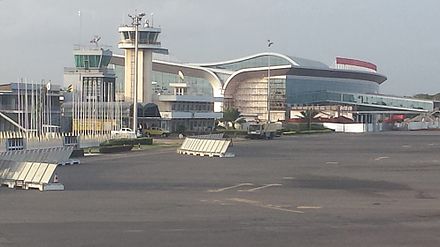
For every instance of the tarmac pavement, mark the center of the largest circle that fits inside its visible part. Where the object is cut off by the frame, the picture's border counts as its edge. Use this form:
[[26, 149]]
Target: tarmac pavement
[[379, 189]]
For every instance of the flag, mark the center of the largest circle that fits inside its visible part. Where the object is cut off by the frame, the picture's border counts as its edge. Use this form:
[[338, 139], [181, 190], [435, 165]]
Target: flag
[[182, 77]]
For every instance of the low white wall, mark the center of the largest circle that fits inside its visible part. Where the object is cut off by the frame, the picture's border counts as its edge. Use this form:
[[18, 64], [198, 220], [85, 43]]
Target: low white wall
[[347, 128], [423, 125]]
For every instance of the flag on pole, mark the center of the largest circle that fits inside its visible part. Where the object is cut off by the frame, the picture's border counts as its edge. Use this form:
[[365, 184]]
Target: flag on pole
[[182, 77]]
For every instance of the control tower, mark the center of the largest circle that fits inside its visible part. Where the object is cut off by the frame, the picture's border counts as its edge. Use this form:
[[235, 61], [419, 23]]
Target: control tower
[[147, 44]]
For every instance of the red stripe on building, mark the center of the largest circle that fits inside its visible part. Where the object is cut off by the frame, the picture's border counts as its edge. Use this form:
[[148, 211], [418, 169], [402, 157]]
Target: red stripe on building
[[354, 62]]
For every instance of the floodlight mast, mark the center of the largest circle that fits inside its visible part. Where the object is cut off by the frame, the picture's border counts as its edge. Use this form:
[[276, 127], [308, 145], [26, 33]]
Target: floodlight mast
[[136, 21], [269, 44]]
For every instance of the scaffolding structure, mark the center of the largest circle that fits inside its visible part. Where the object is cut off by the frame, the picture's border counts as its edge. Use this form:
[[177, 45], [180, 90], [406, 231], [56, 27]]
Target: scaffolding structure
[[250, 97]]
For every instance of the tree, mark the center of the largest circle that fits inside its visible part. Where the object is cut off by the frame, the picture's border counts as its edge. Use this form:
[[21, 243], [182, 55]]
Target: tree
[[308, 115], [230, 115], [180, 129], [427, 96]]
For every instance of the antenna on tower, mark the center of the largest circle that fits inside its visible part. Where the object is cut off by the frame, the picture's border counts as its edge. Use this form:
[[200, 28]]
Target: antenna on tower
[[95, 40]]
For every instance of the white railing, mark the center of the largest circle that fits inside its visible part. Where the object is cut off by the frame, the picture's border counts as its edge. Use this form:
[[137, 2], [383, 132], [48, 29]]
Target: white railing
[[50, 140]]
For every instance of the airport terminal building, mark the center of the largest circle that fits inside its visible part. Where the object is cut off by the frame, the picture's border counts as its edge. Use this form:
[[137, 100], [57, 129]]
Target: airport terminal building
[[261, 86], [209, 88]]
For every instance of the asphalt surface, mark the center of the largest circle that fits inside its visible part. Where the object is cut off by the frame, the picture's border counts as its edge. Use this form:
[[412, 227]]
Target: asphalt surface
[[378, 189]]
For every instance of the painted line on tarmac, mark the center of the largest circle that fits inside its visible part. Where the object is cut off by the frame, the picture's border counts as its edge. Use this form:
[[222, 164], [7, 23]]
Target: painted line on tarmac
[[261, 187], [406, 146], [128, 155], [381, 158], [230, 187], [332, 163], [308, 207], [288, 178], [266, 206], [134, 231], [173, 230]]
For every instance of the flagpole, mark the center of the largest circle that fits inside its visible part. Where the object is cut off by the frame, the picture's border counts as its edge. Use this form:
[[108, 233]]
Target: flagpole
[[18, 103], [26, 117], [32, 105], [73, 109], [49, 106]]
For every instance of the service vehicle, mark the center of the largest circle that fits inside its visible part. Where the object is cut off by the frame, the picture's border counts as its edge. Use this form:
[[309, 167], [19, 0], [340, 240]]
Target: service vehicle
[[263, 130]]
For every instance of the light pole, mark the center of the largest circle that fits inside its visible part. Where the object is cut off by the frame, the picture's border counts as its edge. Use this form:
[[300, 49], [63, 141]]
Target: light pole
[[136, 22], [269, 44]]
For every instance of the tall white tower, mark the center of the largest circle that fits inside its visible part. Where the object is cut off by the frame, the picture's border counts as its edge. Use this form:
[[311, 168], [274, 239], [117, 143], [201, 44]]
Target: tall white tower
[[147, 44]]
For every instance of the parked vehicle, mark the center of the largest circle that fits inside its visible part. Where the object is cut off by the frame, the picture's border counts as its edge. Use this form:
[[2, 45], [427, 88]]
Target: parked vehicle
[[264, 130], [124, 133], [156, 131]]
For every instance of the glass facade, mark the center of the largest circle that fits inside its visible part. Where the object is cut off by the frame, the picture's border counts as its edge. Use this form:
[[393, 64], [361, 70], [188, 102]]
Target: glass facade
[[119, 82], [297, 86], [91, 61], [87, 61], [145, 37], [375, 101], [196, 86]]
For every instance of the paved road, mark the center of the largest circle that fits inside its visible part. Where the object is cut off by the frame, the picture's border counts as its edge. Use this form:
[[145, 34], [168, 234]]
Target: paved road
[[319, 190]]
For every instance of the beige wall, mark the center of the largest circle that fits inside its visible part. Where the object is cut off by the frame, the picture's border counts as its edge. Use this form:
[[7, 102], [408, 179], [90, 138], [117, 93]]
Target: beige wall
[[145, 76]]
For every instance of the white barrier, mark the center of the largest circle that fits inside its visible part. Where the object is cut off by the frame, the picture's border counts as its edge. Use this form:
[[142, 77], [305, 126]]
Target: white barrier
[[218, 136], [48, 155], [28, 175], [205, 147]]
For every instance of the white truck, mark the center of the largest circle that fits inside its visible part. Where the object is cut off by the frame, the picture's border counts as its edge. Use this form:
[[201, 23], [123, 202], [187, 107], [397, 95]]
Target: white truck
[[124, 133], [265, 130]]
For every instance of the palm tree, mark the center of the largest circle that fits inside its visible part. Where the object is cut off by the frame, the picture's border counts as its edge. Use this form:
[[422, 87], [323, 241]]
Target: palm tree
[[308, 115], [230, 115]]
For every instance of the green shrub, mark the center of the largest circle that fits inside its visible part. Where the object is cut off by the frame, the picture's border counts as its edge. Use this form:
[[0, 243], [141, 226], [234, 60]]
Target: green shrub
[[125, 141], [115, 149], [229, 133], [289, 133], [303, 126], [315, 131]]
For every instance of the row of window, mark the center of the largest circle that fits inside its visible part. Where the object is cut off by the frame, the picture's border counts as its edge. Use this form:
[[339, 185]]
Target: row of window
[[196, 86], [200, 125], [192, 106], [88, 61]]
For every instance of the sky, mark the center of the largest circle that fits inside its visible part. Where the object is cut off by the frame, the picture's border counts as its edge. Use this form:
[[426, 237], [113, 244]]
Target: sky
[[400, 36]]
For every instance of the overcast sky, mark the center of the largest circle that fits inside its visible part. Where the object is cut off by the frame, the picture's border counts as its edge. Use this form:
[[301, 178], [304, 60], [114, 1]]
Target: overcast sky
[[400, 36]]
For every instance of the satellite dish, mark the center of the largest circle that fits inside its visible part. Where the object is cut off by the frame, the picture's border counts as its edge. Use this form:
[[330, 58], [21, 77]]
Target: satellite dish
[[182, 77], [95, 40]]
